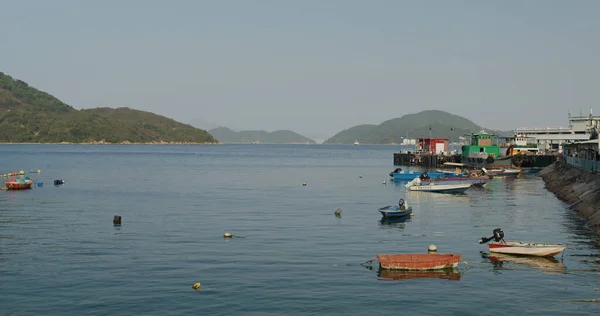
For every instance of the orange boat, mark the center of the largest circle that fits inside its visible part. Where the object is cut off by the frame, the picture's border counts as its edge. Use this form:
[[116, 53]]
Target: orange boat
[[14, 184], [418, 261]]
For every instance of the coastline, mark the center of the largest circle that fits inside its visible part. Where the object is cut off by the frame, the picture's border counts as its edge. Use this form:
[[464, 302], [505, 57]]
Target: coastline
[[106, 143]]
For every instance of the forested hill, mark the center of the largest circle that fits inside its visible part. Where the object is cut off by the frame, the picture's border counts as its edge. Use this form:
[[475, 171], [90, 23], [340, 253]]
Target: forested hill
[[442, 124], [226, 135], [28, 115]]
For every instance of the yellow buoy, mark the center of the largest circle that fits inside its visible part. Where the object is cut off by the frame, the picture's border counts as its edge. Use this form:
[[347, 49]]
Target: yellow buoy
[[432, 248], [39, 171], [21, 172], [412, 214], [227, 235], [196, 286]]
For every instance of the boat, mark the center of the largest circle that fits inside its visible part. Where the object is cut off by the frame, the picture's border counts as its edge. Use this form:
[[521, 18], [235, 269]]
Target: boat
[[430, 261], [478, 181], [446, 274], [356, 143], [499, 245], [508, 172], [18, 184], [428, 186], [396, 211], [406, 175]]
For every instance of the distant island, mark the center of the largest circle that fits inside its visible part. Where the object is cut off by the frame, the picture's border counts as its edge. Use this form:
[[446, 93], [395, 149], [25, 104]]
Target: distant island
[[226, 135], [28, 115], [442, 124]]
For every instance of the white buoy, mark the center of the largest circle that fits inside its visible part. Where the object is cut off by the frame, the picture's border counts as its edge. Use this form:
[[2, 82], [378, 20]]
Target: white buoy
[[227, 235], [196, 286], [432, 248]]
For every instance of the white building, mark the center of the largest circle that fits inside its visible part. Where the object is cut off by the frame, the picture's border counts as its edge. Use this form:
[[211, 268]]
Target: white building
[[579, 129]]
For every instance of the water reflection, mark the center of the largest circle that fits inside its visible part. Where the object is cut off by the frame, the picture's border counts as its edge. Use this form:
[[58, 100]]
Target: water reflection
[[504, 261], [391, 223], [448, 274], [438, 197]]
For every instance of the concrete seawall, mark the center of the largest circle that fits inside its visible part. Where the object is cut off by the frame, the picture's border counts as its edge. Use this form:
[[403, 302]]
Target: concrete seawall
[[577, 187]]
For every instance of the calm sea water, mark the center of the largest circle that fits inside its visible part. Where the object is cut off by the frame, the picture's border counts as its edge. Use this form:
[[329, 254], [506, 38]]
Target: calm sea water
[[60, 253]]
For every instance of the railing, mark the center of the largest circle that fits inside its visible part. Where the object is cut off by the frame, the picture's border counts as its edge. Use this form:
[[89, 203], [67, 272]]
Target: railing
[[591, 165]]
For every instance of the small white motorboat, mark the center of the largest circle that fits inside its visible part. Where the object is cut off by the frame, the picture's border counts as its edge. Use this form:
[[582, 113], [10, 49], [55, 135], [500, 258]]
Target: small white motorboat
[[499, 245], [429, 186]]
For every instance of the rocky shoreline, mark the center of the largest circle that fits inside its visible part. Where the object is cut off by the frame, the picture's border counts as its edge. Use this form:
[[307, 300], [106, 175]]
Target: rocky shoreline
[[579, 188]]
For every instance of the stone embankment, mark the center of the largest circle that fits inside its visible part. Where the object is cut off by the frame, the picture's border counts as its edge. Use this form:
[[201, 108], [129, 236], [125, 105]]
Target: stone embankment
[[579, 188]]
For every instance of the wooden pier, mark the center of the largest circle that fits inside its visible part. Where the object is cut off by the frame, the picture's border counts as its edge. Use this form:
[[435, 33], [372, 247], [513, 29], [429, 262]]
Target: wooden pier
[[430, 160], [427, 160]]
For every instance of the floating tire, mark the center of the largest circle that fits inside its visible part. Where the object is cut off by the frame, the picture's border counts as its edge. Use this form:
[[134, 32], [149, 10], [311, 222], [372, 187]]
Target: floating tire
[[490, 159], [479, 160], [517, 160]]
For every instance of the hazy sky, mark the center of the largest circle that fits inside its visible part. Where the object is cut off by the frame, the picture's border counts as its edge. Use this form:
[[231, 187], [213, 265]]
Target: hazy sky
[[316, 67]]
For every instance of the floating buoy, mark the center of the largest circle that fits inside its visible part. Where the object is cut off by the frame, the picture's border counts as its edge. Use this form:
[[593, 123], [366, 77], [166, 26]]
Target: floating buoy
[[432, 248], [384, 182], [196, 286], [360, 177], [59, 182], [117, 220], [412, 214], [40, 184], [338, 212], [303, 184], [227, 235], [21, 172]]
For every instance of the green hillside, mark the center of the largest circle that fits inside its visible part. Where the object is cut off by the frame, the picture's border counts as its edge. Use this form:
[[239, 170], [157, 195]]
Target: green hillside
[[33, 116], [226, 135], [443, 124]]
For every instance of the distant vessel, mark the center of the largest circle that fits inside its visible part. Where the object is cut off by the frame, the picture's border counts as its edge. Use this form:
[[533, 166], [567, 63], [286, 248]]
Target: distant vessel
[[356, 143]]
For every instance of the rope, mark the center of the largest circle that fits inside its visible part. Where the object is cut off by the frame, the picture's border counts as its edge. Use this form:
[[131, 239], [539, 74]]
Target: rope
[[370, 261]]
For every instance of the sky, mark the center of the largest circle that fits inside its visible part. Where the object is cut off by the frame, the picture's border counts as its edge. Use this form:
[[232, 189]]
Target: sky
[[316, 67]]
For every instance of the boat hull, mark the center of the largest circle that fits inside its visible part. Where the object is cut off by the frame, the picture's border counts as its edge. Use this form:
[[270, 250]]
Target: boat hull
[[10, 185], [447, 274], [441, 188], [418, 261], [526, 249], [475, 181], [394, 212]]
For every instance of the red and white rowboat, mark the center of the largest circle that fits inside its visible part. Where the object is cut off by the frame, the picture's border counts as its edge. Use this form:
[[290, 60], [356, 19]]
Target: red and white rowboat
[[418, 261], [526, 248]]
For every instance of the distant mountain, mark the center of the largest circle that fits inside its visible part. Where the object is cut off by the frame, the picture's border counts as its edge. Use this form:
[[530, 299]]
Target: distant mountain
[[226, 135], [202, 124], [33, 116], [442, 124]]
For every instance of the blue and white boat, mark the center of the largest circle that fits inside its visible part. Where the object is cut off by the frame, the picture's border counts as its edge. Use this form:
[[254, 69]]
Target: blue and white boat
[[407, 175], [394, 211]]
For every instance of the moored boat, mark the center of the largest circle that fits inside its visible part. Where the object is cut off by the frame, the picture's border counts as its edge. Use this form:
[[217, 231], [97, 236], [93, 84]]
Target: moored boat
[[499, 245], [396, 211], [475, 181], [418, 261], [406, 175], [428, 186], [508, 173], [18, 184]]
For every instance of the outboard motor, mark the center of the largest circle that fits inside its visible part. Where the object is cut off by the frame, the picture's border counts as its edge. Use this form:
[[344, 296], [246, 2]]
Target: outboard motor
[[397, 170], [498, 236]]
